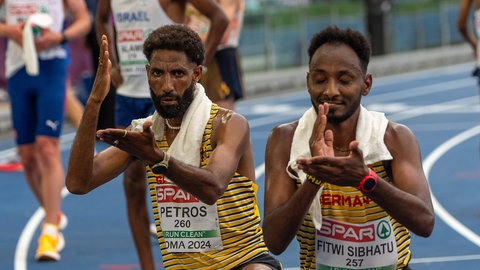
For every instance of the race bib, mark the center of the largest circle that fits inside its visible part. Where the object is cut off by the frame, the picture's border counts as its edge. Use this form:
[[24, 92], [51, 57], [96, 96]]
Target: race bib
[[188, 225], [347, 246], [130, 50]]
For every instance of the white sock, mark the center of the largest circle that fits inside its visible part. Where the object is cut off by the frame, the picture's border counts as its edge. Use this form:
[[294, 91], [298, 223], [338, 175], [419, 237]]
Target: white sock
[[50, 229]]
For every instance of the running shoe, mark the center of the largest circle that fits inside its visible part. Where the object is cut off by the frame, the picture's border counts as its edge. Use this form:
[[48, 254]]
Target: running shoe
[[49, 248]]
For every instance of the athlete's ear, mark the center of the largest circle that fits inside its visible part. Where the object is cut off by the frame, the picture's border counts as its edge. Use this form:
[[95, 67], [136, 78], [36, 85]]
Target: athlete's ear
[[367, 84], [197, 72], [307, 78], [147, 69]]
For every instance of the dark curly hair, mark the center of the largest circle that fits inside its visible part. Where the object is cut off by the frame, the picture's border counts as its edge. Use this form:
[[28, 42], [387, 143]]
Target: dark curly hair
[[177, 37], [349, 37]]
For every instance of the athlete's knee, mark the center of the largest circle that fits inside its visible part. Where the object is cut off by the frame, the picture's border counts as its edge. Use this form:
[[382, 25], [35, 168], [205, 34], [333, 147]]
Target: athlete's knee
[[47, 147], [27, 154]]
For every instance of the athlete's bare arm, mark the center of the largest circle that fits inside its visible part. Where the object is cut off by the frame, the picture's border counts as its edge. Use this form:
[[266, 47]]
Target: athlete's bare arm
[[86, 172], [408, 199], [226, 122], [175, 9], [79, 27], [11, 31], [285, 206], [103, 26], [218, 25]]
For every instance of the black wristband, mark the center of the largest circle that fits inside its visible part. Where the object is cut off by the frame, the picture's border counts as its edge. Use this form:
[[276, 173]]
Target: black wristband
[[314, 180], [64, 39]]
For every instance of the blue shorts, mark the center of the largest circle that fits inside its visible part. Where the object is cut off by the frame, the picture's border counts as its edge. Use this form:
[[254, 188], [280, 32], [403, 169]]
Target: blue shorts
[[229, 65], [129, 108], [38, 102]]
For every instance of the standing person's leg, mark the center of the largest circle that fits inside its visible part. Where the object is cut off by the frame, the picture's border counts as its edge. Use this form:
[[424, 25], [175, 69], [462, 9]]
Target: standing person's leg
[[50, 106], [22, 107], [37, 117], [50, 166], [31, 171], [135, 181], [215, 87], [73, 106], [135, 187], [232, 75]]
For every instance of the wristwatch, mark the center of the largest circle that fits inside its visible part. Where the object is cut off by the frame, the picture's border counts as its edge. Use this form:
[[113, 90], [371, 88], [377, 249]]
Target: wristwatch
[[162, 166], [368, 182]]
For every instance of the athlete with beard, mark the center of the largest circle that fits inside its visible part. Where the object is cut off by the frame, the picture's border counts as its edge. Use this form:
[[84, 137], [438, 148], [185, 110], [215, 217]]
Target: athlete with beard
[[346, 181], [126, 25], [198, 158]]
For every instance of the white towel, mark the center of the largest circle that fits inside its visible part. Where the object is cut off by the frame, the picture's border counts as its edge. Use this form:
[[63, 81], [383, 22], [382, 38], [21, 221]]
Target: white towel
[[41, 20], [371, 128], [187, 143]]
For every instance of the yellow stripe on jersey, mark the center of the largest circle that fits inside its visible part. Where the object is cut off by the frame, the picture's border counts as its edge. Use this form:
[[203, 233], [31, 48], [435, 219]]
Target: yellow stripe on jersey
[[238, 214], [347, 204]]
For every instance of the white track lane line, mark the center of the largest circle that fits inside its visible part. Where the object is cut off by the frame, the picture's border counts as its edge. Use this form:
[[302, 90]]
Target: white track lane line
[[439, 210], [25, 238]]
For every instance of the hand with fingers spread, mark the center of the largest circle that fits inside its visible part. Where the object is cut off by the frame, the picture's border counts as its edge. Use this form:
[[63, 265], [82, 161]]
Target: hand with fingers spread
[[340, 171], [141, 145]]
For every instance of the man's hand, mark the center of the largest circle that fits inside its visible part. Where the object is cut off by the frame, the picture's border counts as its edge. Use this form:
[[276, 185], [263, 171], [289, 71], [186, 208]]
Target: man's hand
[[141, 145], [321, 141], [101, 85], [340, 171], [47, 39], [323, 165]]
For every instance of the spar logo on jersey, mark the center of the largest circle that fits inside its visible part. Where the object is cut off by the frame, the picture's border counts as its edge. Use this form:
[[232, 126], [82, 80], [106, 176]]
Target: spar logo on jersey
[[172, 193], [384, 230], [130, 35], [353, 232]]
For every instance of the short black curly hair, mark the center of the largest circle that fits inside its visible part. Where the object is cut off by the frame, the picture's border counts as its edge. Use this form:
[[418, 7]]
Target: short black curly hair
[[177, 37], [349, 37]]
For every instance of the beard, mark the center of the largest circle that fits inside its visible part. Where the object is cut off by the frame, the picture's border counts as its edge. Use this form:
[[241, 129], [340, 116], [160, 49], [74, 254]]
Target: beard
[[175, 111], [335, 117]]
